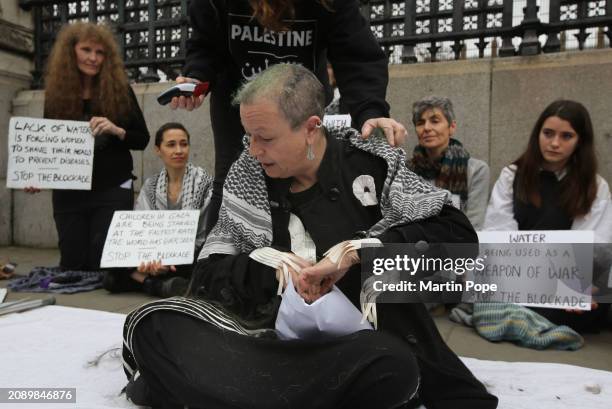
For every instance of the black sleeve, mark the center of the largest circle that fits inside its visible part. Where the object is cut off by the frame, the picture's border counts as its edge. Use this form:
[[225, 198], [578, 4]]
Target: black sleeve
[[360, 65], [450, 226], [205, 49], [450, 233], [239, 283], [136, 132]]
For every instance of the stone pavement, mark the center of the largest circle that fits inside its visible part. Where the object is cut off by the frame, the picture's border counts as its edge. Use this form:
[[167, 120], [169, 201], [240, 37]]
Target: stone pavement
[[597, 353]]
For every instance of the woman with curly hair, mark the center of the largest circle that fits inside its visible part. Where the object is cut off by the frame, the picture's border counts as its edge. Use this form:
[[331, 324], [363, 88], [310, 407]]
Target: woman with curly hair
[[86, 81]]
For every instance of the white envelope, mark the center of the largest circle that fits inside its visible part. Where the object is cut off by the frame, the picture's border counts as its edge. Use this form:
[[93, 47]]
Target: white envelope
[[332, 315]]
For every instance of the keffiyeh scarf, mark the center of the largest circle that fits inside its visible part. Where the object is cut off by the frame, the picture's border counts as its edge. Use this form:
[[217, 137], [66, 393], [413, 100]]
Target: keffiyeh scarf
[[245, 221], [449, 172], [196, 184]]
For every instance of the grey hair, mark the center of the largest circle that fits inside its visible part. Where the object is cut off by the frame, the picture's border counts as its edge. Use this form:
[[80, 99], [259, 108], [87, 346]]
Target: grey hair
[[442, 103], [296, 90]]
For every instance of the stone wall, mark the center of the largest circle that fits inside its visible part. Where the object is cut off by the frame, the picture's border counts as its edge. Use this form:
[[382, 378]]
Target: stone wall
[[16, 48], [497, 101]]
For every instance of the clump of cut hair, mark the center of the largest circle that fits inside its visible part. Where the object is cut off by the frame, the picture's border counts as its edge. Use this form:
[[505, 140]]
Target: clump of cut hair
[[272, 14], [296, 91]]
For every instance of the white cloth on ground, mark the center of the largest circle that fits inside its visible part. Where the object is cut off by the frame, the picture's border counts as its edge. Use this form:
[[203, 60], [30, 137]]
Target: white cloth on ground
[[50, 347]]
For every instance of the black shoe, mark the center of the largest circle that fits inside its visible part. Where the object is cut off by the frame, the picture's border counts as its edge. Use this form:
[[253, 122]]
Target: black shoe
[[152, 286], [165, 287], [137, 391], [175, 286], [117, 281]]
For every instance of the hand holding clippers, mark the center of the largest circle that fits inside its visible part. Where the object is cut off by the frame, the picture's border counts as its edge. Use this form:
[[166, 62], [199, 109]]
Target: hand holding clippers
[[186, 89]]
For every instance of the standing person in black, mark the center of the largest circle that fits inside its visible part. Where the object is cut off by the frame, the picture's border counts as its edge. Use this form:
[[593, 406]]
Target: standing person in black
[[234, 40], [86, 81]]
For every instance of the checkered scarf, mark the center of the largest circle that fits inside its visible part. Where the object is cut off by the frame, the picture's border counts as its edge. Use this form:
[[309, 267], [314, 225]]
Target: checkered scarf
[[196, 184], [245, 221]]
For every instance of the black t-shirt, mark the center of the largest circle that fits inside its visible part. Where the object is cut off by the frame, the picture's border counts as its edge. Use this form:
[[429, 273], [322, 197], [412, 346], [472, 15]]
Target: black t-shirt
[[228, 45]]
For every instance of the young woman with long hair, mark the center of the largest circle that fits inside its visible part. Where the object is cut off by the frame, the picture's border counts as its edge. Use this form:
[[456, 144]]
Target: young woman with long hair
[[554, 185], [85, 80]]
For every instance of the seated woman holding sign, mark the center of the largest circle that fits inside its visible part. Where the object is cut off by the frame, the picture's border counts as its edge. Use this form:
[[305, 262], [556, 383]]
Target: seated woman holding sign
[[86, 81], [297, 192], [554, 185], [179, 186]]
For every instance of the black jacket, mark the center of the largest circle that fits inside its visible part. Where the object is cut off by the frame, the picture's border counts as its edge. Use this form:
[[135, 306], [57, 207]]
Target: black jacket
[[112, 159], [331, 213]]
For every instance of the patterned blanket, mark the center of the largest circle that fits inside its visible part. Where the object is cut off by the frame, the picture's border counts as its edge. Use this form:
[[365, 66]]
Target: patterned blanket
[[54, 280]]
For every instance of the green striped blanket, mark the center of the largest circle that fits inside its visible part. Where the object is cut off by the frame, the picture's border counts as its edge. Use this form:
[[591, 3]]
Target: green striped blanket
[[515, 323]]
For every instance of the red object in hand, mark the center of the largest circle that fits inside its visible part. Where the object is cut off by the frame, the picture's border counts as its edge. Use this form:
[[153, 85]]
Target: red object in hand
[[201, 89]]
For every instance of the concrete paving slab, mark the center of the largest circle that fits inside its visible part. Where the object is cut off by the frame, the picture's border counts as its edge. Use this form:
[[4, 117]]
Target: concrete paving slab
[[597, 352]]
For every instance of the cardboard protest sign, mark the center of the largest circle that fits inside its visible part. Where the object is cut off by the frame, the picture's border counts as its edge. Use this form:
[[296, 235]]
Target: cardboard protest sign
[[151, 235], [331, 121], [49, 154], [548, 268]]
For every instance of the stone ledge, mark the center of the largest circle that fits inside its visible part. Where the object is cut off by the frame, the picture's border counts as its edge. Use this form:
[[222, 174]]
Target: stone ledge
[[16, 39]]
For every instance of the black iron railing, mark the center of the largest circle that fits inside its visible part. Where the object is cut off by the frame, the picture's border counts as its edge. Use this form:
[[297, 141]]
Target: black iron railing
[[152, 33], [430, 30]]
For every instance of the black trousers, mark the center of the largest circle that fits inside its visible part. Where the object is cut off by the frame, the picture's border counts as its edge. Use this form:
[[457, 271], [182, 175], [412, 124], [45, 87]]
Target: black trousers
[[227, 133], [185, 361], [587, 322], [82, 219], [122, 282]]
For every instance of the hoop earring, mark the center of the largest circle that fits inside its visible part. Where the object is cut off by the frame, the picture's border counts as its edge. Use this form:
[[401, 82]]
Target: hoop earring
[[319, 124], [310, 153]]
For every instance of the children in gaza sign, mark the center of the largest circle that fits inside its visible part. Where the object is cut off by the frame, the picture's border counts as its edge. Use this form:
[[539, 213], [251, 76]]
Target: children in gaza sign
[[150, 235], [49, 154]]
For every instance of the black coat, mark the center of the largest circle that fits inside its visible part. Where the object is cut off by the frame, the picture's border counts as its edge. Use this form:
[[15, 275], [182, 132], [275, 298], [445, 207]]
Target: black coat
[[331, 213]]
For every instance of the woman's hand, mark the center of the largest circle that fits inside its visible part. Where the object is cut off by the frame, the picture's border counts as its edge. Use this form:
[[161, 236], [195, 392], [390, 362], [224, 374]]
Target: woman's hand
[[300, 263], [154, 268], [394, 131], [188, 103], [31, 189], [101, 125], [320, 278]]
